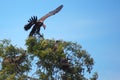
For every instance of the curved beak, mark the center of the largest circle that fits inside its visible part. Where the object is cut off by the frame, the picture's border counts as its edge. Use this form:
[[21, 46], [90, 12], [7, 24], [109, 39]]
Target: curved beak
[[44, 26]]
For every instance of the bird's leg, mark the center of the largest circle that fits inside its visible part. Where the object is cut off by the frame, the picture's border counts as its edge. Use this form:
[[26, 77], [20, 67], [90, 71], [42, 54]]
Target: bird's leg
[[33, 31], [38, 30], [38, 26]]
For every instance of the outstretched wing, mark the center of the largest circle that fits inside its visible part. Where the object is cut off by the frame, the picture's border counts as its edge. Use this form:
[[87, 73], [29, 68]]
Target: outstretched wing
[[31, 21], [50, 13]]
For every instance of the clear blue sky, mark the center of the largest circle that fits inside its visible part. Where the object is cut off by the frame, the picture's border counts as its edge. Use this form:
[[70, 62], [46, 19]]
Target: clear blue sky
[[95, 24]]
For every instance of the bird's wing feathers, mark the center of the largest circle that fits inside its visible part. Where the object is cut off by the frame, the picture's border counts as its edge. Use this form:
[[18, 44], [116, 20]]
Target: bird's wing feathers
[[51, 13], [31, 21], [28, 26]]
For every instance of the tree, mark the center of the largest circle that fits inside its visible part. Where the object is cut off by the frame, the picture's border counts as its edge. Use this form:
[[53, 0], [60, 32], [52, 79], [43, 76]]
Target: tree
[[55, 60], [14, 61]]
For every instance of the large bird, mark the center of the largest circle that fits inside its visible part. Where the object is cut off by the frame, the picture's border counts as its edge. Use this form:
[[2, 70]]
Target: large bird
[[37, 24]]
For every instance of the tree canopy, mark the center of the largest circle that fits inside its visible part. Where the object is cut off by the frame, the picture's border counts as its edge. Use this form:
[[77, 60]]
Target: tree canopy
[[55, 60]]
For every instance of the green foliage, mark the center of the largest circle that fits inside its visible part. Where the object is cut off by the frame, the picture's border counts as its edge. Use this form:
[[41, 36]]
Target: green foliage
[[79, 60], [11, 77], [14, 61], [3, 44], [95, 76], [55, 59]]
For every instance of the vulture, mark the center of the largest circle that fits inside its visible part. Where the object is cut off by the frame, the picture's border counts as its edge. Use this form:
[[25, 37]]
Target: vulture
[[36, 24]]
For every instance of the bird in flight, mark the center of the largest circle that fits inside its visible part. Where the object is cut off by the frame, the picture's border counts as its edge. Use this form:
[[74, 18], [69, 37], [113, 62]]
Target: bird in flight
[[38, 23]]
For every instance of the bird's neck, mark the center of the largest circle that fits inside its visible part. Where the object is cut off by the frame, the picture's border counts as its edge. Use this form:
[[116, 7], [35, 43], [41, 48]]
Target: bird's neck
[[41, 21]]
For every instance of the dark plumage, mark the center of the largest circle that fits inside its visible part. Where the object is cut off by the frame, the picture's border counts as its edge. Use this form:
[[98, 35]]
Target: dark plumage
[[31, 21], [37, 24]]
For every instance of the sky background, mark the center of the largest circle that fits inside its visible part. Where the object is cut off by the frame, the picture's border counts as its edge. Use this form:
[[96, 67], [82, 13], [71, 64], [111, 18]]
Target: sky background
[[94, 24]]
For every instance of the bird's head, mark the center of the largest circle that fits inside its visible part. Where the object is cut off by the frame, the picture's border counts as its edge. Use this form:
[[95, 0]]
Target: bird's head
[[44, 26]]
